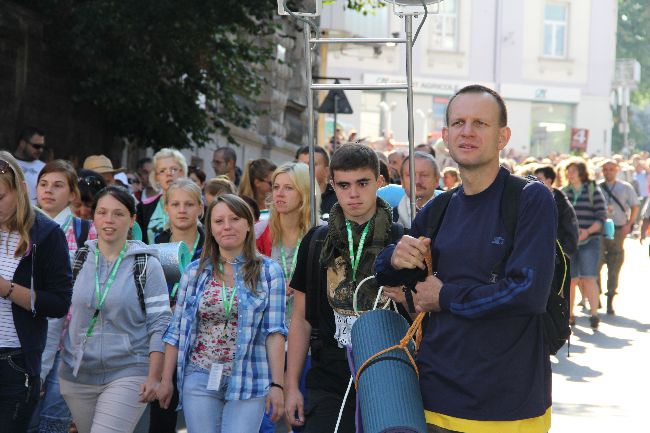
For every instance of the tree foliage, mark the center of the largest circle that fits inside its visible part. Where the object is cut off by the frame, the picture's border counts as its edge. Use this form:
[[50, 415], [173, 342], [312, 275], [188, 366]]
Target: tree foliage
[[164, 72], [633, 41]]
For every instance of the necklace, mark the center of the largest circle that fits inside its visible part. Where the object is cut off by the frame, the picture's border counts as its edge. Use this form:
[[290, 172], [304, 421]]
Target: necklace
[[234, 261]]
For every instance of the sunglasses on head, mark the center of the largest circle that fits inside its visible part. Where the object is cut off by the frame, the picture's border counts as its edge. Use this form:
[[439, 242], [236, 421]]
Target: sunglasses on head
[[5, 167], [92, 181], [133, 180]]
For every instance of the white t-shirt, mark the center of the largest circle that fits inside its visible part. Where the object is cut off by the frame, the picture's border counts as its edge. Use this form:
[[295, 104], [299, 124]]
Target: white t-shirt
[[31, 170], [8, 265]]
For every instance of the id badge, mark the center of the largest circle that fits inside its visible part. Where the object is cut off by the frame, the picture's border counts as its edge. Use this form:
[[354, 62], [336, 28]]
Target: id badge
[[78, 357], [216, 373]]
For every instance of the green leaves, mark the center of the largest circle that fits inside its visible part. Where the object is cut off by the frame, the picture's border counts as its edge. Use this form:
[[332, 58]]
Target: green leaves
[[163, 73]]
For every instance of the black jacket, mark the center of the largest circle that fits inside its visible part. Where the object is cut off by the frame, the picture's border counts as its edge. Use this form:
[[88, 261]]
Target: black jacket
[[143, 215], [48, 262]]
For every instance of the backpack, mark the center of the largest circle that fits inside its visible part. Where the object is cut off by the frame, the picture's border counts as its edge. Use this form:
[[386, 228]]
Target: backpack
[[312, 298], [556, 317], [81, 228], [139, 271]]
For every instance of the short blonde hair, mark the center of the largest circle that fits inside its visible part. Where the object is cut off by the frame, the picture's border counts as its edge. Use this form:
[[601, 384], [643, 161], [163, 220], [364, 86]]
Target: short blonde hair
[[162, 154]]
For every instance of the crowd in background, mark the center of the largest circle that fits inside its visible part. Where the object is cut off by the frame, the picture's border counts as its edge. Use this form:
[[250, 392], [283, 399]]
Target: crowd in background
[[106, 356]]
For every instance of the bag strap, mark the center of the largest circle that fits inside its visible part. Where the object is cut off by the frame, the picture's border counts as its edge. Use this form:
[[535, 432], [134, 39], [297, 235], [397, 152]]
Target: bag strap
[[78, 261], [439, 206], [140, 277], [609, 192], [81, 229], [313, 272]]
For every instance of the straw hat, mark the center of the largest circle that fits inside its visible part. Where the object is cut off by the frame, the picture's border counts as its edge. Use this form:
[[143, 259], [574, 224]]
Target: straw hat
[[100, 164]]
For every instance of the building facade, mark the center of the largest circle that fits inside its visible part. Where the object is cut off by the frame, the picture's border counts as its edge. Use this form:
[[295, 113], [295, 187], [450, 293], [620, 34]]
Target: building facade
[[552, 61]]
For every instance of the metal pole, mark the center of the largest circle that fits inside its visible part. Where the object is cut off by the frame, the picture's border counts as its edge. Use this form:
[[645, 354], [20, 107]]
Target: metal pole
[[336, 109], [310, 126], [408, 27]]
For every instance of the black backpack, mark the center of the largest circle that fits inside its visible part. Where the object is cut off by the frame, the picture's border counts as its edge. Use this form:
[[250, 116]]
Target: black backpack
[[139, 271], [556, 318]]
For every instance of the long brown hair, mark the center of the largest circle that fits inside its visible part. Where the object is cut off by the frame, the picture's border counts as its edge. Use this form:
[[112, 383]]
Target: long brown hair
[[23, 219], [255, 169], [252, 266]]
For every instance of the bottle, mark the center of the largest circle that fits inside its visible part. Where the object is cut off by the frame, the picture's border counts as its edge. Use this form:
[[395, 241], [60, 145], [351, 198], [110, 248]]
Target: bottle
[[609, 229]]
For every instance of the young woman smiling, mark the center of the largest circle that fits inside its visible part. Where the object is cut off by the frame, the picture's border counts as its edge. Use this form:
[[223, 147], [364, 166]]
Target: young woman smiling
[[113, 353], [226, 338]]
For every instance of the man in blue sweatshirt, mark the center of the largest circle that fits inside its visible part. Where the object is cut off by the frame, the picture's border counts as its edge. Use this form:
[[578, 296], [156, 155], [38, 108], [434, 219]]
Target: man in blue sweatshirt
[[484, 366]]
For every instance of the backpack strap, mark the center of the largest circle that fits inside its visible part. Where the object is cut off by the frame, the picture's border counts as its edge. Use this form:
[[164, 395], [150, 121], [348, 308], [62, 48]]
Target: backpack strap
[[78, 261], [81, 229], [510, 199], [140, 276], [439, 206], [312, 297]]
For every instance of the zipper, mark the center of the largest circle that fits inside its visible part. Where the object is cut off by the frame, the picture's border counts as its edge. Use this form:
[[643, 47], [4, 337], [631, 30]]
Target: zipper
[[31, 289]]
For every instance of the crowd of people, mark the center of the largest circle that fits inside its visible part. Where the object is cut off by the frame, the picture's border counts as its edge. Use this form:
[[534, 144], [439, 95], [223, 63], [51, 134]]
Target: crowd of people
[[258, 328]]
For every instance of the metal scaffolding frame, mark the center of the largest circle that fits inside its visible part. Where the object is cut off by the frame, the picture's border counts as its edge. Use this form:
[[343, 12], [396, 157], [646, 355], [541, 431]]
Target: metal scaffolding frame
[[407, 13]]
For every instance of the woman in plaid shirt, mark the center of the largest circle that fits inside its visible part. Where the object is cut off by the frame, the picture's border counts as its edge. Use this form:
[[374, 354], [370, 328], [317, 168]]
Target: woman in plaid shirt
[[226, 338]]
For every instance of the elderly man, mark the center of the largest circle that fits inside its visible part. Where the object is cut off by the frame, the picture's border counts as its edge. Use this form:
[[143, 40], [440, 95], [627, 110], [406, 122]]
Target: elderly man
[[427, 178], [623, 208]]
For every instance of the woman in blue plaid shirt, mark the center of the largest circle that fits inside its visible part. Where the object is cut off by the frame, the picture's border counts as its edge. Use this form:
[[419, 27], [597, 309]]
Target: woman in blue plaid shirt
[[226, 338]]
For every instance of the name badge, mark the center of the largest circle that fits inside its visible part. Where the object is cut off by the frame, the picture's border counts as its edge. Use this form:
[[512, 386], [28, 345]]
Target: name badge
[[216, 373]]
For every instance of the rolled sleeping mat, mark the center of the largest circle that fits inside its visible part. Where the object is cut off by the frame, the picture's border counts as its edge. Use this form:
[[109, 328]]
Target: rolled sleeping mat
[[174, 258], [388, 391]]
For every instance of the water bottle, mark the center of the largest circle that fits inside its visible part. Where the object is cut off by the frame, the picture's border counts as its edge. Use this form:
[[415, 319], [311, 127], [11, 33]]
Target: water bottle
[[609, 229]]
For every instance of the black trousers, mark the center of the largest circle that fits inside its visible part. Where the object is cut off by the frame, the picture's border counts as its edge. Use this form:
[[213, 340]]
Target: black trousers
[[164, 420], [18, 391], [322, 411]]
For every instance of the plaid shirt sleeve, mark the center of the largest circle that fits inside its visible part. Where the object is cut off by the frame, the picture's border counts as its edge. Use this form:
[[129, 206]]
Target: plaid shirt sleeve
[[274, 315]]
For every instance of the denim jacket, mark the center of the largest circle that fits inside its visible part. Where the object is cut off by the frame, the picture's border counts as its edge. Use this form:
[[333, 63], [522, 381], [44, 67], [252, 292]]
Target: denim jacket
[[259, 315]]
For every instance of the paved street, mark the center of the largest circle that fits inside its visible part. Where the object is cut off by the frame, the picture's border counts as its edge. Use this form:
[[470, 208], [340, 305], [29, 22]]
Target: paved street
[[604, 385]]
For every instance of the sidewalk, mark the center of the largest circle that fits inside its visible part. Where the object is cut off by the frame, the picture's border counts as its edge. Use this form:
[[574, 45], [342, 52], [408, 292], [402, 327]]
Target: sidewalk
[[603, 385]]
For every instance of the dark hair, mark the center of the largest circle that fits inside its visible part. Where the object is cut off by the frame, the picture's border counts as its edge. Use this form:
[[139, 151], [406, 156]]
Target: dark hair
[[426, 148], [353, 156], [304, 150], [200, 174], [255, 169], [66, 169], [548, 171], [421, 155], [383, 170], [477, 88], [90, 183], [228, 153], [120, 194], [253, 205], [28, 132], [142, 161], [581, 165]]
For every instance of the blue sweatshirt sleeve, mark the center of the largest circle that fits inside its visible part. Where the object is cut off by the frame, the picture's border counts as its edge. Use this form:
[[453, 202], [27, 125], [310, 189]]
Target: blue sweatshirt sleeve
[[528, 271]]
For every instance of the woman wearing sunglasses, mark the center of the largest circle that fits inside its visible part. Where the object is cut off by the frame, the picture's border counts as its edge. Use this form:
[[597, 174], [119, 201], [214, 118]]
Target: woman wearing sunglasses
[[226, 338], [256, 183], [34, 285], [168, 165]]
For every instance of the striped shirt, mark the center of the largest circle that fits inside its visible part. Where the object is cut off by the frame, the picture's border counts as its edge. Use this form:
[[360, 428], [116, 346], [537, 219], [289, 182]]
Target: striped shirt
[[589, 205], [8, 265], [258, 315], [62, 220]]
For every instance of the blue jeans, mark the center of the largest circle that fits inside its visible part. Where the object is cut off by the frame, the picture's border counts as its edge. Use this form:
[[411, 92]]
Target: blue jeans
[[51, 414], [18, 391], [208, 411]]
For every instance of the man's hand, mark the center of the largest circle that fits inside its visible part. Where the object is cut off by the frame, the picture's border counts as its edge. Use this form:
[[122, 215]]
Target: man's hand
[[294, 410], [396, 293], [409, 253], [427, 297]]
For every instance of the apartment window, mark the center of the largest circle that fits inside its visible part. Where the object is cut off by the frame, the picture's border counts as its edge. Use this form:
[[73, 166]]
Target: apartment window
[[444, 33], [556, 21]]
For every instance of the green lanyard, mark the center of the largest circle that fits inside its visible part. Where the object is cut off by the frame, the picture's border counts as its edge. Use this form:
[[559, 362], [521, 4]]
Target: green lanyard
[[66, 224], [227, 304], [355, 260], [101, 296], [288, 273], [196, 244]]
